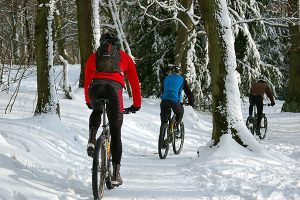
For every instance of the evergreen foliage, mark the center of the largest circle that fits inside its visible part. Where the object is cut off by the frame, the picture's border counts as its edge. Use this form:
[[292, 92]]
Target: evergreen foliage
[[152, 44], [260, 29], [260, 46]]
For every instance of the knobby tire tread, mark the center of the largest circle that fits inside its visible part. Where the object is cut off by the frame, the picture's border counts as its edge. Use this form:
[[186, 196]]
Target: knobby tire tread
[[162, 137], [264, 130], [178, 148], [98, 185], [250, 124]]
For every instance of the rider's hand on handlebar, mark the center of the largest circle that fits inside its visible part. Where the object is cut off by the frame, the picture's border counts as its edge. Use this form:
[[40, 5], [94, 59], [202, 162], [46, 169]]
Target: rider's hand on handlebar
[[131, 109], [89, 105], [191, 104]]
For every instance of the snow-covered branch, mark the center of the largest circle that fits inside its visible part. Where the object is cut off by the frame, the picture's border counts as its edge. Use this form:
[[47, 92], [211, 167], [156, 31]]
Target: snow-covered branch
[[175, 8], [271, 21]]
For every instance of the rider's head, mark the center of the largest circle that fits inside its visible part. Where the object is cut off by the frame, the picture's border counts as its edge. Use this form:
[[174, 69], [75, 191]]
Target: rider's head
[[262, 78], [109, 36], [173, 68]]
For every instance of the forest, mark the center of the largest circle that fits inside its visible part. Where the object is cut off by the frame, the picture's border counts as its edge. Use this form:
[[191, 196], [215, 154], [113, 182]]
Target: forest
[[210, 40]]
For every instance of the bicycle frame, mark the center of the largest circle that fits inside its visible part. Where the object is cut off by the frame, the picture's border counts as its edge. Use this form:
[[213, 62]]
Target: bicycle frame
[[102, 158], [168, 138], [171, 123], [105, 132], [251, 123]]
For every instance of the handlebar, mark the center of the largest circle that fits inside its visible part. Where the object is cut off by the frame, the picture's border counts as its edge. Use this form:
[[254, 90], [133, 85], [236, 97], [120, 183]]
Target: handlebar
[[185, 104]]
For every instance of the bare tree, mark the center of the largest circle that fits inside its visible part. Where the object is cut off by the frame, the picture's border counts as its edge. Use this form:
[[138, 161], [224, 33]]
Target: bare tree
[[85, 33], [47, 101], [183, 33], [292, 100], [226, 102]]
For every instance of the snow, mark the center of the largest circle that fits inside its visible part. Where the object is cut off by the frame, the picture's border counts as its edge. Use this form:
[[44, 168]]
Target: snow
[[96, 23], [53, 101], [43, 157]]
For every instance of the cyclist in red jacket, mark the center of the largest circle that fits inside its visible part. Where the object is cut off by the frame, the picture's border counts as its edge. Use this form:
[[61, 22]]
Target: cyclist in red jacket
[[109, 85]]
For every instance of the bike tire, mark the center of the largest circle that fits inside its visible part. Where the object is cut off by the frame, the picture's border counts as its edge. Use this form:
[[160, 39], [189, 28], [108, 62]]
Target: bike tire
[[163, 143], [99, 169], [250, 124], [178, 140], [263, 127], [108, 183]]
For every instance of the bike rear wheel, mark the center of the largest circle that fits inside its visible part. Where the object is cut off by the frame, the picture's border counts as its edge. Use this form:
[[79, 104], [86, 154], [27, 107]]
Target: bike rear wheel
[[250, 124], [108, 166], [178, 140], [263, 127], [99, 168], [163, 141]]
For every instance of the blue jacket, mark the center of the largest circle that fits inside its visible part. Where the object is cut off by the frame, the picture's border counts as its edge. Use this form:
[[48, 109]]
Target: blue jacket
[[172, 88]]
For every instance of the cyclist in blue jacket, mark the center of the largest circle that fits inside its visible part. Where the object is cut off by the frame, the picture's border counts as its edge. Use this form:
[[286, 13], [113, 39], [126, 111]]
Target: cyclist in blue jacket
[[171, 97]]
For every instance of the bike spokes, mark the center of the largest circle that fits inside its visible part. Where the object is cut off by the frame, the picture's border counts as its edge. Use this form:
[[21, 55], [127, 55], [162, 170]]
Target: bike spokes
[[263, 127], [178, 139], [98, 170], [163, 141], [250, 124]]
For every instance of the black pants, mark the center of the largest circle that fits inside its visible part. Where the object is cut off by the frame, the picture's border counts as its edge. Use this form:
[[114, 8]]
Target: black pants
[[111, 90], [165, 111], [258, 101]]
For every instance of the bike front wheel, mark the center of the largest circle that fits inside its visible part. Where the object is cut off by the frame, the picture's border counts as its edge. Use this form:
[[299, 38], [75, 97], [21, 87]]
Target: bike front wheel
[[163, 141], [99, 168], [178, 140], [263, 127], [250, 124]]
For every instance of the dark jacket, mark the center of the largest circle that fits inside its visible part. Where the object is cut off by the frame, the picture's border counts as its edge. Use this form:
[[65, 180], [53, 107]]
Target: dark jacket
[[260, 88]]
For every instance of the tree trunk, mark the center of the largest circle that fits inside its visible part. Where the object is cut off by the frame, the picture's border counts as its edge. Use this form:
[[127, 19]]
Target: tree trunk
[[28, 54], [182, 35], [292, 99], [61, 41], [85, 34], [47, 101], [225, 93], [14, 35]]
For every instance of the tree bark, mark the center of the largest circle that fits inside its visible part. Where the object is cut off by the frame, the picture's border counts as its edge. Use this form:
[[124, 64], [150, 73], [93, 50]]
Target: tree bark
[[85, 34], [61, 42], [226, 112], [292, 99], [182, 35], [47, 101]]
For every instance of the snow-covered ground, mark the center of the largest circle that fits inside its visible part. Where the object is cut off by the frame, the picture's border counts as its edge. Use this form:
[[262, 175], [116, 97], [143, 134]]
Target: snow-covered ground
[[45, 158]]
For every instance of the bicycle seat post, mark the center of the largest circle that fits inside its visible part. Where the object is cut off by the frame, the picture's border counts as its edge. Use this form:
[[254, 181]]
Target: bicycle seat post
[[104, 113], [103, 103]]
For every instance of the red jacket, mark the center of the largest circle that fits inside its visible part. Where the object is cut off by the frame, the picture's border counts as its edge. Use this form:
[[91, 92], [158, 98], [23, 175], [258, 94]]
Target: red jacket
[[127, 67]]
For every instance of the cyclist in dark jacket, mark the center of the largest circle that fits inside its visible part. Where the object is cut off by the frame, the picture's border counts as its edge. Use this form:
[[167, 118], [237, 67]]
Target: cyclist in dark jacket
[[256, 97], [171, 97]]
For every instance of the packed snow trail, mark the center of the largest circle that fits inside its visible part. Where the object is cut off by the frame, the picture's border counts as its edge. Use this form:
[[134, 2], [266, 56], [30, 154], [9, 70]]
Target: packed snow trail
[[44, 158]]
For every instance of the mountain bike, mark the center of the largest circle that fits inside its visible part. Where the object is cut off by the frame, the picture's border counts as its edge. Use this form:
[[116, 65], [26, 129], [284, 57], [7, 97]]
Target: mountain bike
[[169, 137], [102, 167], [252, 120], [102, 162]]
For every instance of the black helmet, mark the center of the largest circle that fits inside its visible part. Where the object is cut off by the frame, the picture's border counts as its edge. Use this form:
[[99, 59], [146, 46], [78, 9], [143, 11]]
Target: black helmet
[[109, 37], [174, 68]]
